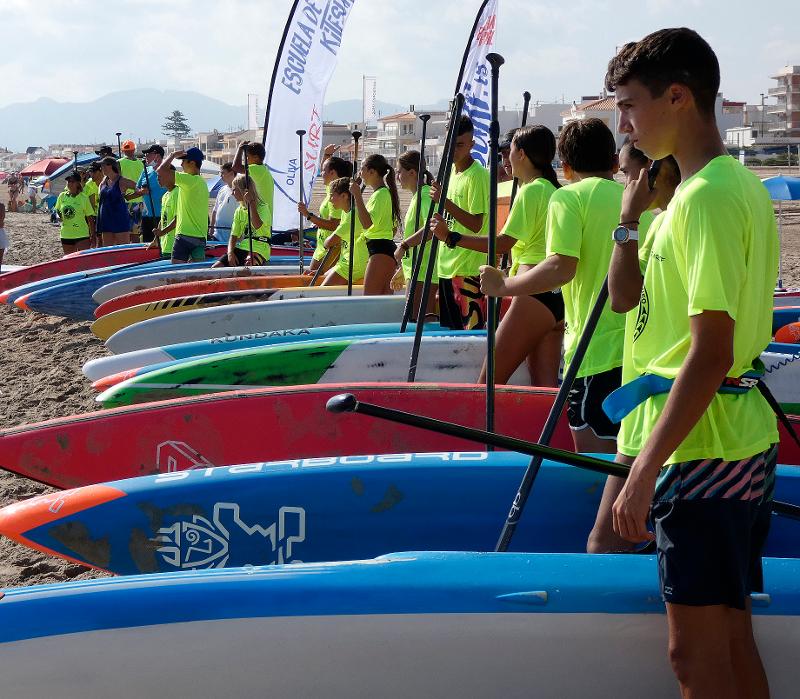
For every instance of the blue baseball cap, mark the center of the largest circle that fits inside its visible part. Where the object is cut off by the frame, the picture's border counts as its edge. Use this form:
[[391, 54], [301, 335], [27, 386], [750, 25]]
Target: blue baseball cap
[[195, 155]]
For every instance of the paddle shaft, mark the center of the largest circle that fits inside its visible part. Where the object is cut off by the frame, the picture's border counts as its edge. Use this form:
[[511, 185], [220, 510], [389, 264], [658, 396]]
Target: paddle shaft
[[526, 101], [445, 167], [495, 60], [348, 403], [247, 188], [119, 144], [322, 264], [420, 180], [300, 198], [416, 255], [552, 420], [353, 214]]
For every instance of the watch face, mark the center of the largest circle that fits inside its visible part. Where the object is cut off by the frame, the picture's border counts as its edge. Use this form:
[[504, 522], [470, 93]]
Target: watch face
[[620, 234]]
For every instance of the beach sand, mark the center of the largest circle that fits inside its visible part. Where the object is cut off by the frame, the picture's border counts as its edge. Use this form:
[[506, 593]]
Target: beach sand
[[40, 377]]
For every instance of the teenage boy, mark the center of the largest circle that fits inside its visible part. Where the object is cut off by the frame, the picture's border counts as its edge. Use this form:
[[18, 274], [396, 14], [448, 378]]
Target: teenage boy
[[580, 217], [191, 227], [151, 191], [164, 233], [131, 168], [705, 472], [461, 304]]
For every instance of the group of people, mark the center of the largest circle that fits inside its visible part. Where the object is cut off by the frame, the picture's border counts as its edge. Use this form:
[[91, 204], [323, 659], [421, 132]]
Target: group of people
[[121, 200], [689, 250]]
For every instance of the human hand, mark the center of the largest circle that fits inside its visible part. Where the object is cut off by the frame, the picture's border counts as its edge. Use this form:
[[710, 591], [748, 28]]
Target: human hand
[[398, 281], [637, 198], [439, 227], [632, 507], [329, 150], [493, 281], [302, 209], [248, 197], [180, 154], [436, 191], [355, 187]]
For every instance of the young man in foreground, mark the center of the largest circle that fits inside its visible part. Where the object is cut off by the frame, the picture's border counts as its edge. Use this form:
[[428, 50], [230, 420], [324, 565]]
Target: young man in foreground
[[708, 454]]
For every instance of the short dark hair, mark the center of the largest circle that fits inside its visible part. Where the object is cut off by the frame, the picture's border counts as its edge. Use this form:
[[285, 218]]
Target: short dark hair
[[634, 152], [465, 125], [113, 163], [256, 149], [228, 167], [587, 145], [342, 167], [665, 57]]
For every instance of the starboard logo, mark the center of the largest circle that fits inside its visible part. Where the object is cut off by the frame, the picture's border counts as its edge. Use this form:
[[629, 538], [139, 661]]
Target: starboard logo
[[201, 543], [172, 456]]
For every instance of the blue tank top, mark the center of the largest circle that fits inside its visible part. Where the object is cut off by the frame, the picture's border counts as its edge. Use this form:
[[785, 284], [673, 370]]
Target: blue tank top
[[113, 216]]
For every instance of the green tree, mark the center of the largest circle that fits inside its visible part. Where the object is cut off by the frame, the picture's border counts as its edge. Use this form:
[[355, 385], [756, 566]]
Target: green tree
[[175, 125]]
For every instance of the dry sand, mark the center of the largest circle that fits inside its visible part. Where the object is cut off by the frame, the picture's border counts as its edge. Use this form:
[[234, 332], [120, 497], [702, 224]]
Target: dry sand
[[40, 377]]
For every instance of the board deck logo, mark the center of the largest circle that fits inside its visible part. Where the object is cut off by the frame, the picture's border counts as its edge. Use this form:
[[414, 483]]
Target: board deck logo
[[172, 456], [206, 543]]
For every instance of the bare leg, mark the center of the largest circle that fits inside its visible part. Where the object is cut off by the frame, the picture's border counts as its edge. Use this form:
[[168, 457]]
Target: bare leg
[[700, 651], [602, 538], [523, 327], [333, 278], [378, 276], [747, 667], [587, 442], [545, 359]]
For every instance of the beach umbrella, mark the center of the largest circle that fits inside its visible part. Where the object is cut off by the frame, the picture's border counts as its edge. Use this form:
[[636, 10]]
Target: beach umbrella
[[782, 189]]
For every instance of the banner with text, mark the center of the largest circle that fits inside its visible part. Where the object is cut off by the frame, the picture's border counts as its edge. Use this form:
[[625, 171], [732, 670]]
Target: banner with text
[[304, 65], [369, 99], [474, 80]]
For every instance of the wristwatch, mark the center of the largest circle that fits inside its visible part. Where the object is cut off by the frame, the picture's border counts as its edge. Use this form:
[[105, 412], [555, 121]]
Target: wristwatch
[[622, 235], [453, 238]]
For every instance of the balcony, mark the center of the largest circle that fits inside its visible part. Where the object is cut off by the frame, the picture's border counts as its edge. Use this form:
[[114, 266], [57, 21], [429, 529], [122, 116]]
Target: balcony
[[780, 90]]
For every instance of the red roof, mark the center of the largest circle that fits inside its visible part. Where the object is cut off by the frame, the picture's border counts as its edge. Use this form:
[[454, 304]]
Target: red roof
[[43, 167], [602, 105], [400, 116]]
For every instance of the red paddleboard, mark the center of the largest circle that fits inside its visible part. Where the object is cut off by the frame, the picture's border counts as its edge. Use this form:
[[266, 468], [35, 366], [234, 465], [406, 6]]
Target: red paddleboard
[[199, 288], [76, 263], [259, 425], [788, 333]]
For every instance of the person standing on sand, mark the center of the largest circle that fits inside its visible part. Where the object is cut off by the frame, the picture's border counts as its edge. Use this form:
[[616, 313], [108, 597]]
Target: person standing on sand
[[131, 169], [14, 189], [225, 206], [151, 191], [76, 213], [113, 219], [3, 236], [192, 204]]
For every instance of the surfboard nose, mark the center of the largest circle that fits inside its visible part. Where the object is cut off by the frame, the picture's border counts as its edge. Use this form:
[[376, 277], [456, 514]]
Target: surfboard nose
[[114, 379], [22, 302]]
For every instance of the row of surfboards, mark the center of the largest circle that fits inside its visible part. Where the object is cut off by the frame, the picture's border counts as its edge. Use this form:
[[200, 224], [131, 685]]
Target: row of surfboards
[[202, 501]]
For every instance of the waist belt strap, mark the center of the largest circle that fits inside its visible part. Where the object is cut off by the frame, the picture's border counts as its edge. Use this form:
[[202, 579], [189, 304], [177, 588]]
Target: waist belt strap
[[623, 400]]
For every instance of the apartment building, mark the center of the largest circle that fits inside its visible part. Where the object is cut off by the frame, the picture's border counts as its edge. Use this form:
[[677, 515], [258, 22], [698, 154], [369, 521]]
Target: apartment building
[[787, 107]]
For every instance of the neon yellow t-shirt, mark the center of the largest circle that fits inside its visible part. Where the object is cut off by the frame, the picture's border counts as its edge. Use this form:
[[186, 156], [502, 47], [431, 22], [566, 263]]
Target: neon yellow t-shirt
[[379, 207], [580, 219], [131, 169], [89, 189], [469, 190], [715, 250], [265, 185], [74, 211], [169, 204], [361, 254], [326, 211], [408, 231], [192, 205], [239, 230], [527, 222]]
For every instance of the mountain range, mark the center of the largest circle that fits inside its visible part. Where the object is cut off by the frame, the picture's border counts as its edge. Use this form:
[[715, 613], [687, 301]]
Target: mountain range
[[139, 114]]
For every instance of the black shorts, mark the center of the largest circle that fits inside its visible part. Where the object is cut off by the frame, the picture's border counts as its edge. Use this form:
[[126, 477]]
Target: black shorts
[[72, 241], [709, 547], [241, 258], [554, 300], [585, 403], [382, 246], [149, 224], [188, 246]]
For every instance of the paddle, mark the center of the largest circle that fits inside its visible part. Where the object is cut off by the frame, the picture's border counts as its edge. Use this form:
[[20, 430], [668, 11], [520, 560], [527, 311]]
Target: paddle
[[247, 188], [322, 264], [301, 198], [443, 178], [348, 403], [119, 144], [495, 60], [424, 118], [353, 214]]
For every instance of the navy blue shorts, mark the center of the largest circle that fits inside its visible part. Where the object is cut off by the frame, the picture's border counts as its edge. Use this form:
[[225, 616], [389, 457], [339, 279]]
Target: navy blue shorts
[[711, 519], [188, 246]]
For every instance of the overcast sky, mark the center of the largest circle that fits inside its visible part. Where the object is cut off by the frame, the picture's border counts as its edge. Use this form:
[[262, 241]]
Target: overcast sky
[[78, 50]]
